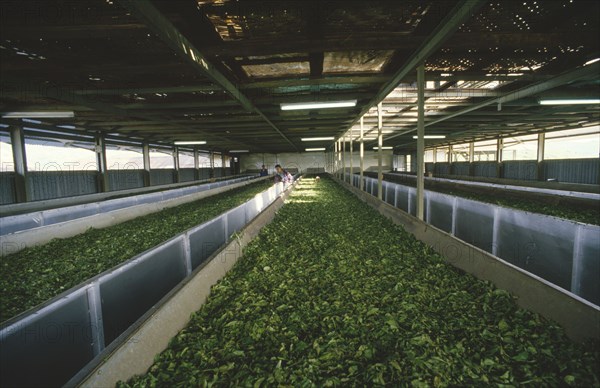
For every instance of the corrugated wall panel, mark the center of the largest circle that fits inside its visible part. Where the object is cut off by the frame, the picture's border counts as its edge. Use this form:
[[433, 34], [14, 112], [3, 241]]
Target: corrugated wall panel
[[442, 169], [430, 167], [161, 177], [125, 179], [461, 168], [57, 184], [7, 188], [204, 173], [573, 170], [186, 174], [520, 169], [485, 169]]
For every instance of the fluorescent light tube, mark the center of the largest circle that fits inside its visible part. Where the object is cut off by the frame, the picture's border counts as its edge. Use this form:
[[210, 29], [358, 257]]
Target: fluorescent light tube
[[578, 101], [238, 151], [189, 142], [431, 137], [314, 149], [318, 105], [49, 114], [317, 138], [384, 148], [591, 61]]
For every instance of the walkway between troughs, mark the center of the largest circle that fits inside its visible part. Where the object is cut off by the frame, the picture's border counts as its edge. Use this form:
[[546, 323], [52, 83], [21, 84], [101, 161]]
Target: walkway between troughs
[[332, 293]]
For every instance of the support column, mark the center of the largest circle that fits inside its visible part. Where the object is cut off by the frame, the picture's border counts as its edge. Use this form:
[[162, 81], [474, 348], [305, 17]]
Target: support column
[[420, 140], [450, 160], [339, 156], [176, 164], [351, 156], [335, 153], [379, 151], [102, 184], [471, 159], [499, 146], [146, 156], [223, 167], [361, 184], [212, 164], [540, 156], [17, 141], [344, 158], [196, 164]]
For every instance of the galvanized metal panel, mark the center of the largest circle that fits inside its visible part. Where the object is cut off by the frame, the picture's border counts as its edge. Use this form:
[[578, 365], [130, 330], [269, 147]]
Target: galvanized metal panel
[[441, 168], [115, 204], [236, 219], [148, 198], [440, 210], [204, 173], [125, 179], [588, 267], [402, 198], [205, 240], [412, 201], [7, 188], [520, 169], [430, 167], [573, 170], [30, 349], [12, 224], [169, 194], [474, 223], [390, 196], [56, 184], [187, 174], [55, 216], [485, 169], [254, 206], [537, 243], [131, 290], [162, 177], [461, 168]]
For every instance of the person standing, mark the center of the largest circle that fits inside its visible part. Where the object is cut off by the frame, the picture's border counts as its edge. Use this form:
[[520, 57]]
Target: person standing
[[264, 171]]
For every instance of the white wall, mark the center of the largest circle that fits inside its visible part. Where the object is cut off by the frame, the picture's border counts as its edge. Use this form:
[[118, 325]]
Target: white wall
[[305, 160], [370, 161]]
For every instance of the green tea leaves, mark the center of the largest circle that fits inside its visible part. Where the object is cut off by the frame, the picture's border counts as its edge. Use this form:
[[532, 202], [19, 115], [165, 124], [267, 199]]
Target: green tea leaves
[[352, 300]]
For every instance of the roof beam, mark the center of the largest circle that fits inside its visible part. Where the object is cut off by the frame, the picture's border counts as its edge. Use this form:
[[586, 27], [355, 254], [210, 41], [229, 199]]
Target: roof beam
[[158, 89], [158, 23], [390, 41], [67, 95], [457, 16], [530, 90]]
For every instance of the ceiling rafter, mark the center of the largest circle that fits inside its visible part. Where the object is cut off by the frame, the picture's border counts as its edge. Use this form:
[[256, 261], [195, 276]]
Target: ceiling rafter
[[157, 22]]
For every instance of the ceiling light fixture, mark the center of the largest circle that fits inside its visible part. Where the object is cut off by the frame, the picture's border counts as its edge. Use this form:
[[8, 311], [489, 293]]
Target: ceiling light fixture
[[431, 137], [591, 61], [384, 148], [48, 114], [318, 105], [238, 151], [314, 149], [579, 101], [189, 142], [318, 138]]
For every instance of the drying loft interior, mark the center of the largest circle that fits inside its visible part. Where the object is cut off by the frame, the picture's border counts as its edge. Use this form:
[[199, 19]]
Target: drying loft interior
[[132, 133]]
